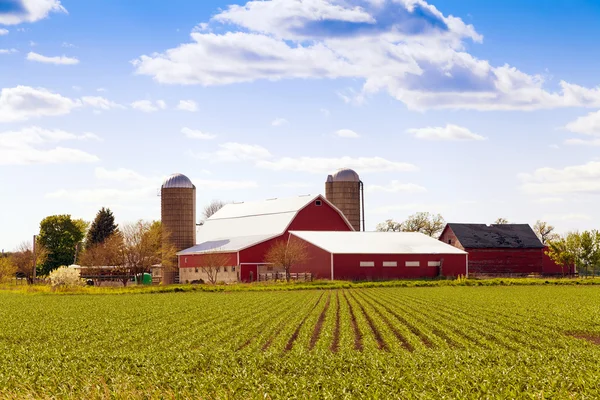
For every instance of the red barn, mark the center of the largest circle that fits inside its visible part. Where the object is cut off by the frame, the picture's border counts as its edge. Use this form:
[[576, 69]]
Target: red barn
[[498, 249], [378, 256], [244, 232]]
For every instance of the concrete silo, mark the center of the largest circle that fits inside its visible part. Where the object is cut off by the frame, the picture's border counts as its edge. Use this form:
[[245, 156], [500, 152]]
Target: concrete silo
[[345, 190], [178, 217]]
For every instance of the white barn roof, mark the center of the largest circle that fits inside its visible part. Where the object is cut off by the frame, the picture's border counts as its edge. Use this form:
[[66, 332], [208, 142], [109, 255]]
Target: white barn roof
[[237, 226], [376, 242]]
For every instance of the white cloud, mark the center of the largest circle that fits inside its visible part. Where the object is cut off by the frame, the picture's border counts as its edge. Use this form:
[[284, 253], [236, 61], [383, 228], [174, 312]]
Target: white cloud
[[279, 122], [3, 32], [587, 125], [68, 45], [223, 185], [397, 187], [35, 145], [235, 152], [187, 105], [408, 208], [100, 103], [101, 90], [148, 106], [58, 60], [196, 134], [322, 165], [23, 102], [549, 200], [123, 175], [574, 179], [583, 142], [106, 196], [8, 51], [449, 132], [346, 133], [30, 11], [407, 48]]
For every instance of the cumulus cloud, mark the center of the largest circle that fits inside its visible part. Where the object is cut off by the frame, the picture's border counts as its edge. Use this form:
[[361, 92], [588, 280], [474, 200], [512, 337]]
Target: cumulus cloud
[[573, 179], [8, 51], [322, 165], [397, 187], [279, 122], [196, 134], [57, 60], [23, 102], [187, 105], [445, 133], [3, 32], [100, 103], [586, 125], [35, 145], [346, 133], [148, 106], [407, 48], [18, 11], [235, 152]]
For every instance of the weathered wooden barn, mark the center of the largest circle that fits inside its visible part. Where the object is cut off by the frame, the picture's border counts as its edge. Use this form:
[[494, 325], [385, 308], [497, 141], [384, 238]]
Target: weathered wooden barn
[[378, 256], [244, 232], [500, 249]]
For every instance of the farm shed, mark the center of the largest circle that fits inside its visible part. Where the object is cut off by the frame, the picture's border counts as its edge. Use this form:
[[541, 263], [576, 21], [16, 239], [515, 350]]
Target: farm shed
[[378, 255], [500, 248], [244, 232]]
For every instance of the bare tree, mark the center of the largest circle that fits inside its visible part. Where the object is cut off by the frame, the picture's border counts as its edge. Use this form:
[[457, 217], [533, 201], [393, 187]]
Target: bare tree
[[501, 221], [423, 222], [545, 232], [108, 253], [143, 247], [389, 226], [286, 254], [25, 259], [212, 208], [212, 263]]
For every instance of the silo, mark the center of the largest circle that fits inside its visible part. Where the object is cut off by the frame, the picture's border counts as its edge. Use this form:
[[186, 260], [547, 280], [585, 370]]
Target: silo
[[178, 216], [345, 190]]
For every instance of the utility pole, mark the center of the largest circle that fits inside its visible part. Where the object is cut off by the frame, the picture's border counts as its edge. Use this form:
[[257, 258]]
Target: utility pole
[[34, 257]]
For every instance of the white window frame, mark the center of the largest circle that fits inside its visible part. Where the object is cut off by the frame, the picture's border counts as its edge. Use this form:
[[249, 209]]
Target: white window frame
[[390, 264], [434, 263], [412, 264], [367, 264]]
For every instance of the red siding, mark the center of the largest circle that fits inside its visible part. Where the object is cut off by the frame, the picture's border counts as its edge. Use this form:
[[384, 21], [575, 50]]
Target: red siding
[[551, 268], [450, 238], [319, 218], [506, 261], [347, 266], [318, 263]]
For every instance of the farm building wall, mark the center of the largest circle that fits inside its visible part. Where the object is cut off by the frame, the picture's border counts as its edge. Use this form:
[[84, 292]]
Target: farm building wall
[[347, 266], [549, 267], [450, 238], [318, 262], [506, 261], [190, 268]]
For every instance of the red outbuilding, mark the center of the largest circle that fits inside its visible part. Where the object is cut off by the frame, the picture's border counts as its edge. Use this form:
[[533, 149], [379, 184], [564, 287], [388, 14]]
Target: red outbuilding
[[244, 232], [378, 256], [500, 249]]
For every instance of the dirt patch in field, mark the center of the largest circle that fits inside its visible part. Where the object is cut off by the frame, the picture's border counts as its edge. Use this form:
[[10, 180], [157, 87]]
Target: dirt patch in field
[[357, 334], [335, 344], [319, 325], [294, 336], [590, 337]]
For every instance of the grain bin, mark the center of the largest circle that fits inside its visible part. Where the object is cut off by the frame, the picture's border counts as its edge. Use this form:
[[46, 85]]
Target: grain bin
[[178, 216], [345, 190]]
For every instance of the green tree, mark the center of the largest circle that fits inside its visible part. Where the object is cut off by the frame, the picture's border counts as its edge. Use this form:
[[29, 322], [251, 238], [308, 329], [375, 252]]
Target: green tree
[[61, 236], [102, 227]]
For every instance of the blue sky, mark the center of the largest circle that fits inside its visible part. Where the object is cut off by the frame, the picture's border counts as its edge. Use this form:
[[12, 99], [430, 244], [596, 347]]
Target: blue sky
[[476, 110]]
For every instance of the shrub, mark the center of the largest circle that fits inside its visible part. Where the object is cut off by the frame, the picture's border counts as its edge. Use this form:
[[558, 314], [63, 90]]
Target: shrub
[[65, 276]]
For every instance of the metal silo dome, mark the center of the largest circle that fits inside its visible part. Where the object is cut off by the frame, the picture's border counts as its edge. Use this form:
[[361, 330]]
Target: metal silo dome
[[346, 175], [179, 181]]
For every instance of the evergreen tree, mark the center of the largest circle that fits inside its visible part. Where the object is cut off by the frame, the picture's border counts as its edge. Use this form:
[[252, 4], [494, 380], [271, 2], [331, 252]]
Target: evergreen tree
[[102, 228]]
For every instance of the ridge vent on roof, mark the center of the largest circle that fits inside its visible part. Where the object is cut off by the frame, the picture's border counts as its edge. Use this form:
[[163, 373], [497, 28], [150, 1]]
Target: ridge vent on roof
[[274, 198]]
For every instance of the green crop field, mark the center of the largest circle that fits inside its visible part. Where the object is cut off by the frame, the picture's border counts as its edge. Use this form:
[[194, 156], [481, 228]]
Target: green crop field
[[446, 342]]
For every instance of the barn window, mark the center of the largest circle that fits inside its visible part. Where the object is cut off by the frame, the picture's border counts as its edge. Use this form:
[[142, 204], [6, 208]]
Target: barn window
[[367, 263], [433, 263], [224, 269], [390, 263], [185, 260], [232, 269], [196, 270], [449, 241], [318, 203], [412, 264]]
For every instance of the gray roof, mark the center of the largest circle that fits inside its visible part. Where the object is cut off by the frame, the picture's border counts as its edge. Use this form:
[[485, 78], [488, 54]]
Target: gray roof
[[500, 236], [345, 175], [177, 181]]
